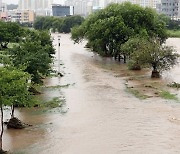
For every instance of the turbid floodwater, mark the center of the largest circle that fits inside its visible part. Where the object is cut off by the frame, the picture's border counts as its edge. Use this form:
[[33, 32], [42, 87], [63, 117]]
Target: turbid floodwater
[[100, 116]]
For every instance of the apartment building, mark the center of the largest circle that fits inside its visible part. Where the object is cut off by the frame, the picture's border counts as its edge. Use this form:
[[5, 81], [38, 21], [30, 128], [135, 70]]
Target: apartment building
[[85, 7], [170, 8], [40, 7], [26, 16]]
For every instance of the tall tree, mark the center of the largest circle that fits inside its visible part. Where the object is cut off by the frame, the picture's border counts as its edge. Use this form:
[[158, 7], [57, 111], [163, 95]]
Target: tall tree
[[33, 58], [60, 24], [34, 54], [107, 29], [13, 90]]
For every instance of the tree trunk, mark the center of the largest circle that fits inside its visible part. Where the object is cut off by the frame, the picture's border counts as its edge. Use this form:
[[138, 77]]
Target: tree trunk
[[2, 130], [124, 59], [115, 56], [155, 74], [119, 57], [12, 111]]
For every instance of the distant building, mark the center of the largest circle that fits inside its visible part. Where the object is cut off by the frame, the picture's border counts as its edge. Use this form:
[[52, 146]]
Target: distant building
[[4, 16], [170, 8], [59, 10], [26, 16], [40, 7], [0, 5], [86, 7], [80, 6]]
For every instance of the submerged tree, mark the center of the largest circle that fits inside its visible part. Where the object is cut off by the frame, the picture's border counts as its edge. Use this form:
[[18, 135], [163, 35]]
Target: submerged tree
[[69, 22], [13, 90], [152, 54], [109, 28], [132, 48]]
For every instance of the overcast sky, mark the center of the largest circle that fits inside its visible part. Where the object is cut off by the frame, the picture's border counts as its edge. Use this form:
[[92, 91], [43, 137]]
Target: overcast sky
[[16, 1]]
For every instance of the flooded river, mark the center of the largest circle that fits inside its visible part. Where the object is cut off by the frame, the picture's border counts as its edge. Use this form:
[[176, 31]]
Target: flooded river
[[100, 117]]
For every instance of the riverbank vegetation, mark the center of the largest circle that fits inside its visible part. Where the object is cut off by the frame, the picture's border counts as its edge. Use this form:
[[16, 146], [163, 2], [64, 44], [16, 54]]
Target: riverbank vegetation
[[129, 33], [56, 24], [13, 92], [173, 33], [26, 57], [173, 26], [133, 35]]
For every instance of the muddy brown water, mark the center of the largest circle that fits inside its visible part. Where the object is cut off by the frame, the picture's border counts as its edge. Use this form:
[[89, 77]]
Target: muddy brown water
[[101, 117]]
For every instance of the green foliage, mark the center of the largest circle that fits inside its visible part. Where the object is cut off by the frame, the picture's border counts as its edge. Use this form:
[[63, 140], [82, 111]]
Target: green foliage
[[136, 93], [173, 24], [174, 85], [168, 95], [173, 33], [43, 23], [107, 29], [26, 24], [55, 102], [70, 22], [33, 55], [78, 33], [14, 87], [58, 86], [9, 32], [33, 58], [170, 23], [151, 54], [30, 50], [63, 24]]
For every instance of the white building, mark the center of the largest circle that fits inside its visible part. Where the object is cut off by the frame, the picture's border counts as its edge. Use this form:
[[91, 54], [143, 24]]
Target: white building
[[41, 7], [143, 3], [85, 7], [170, 8]]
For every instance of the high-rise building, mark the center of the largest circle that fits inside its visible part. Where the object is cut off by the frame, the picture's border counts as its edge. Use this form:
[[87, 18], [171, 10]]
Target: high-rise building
[[170, 8], [24, 4], [41, 7], [34, 4], [83, 7], [59, 10], [25, 16]]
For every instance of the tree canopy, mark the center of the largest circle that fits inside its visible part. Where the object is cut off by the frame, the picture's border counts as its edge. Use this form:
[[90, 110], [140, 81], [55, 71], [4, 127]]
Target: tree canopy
[[9, 32], [13, 90], [34, 55], [30, 50], [107, 29], [59, 24], [150, 54], [14, 86]]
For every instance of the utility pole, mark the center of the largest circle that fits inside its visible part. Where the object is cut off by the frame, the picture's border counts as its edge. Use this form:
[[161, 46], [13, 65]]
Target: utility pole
[[59, 44]]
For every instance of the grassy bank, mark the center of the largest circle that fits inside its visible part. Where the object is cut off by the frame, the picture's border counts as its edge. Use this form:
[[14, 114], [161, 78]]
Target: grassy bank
[[173, 33]]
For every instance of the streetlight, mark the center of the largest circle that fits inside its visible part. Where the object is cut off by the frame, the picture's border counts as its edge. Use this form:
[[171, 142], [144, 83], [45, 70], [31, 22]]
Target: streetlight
[[59, 44]]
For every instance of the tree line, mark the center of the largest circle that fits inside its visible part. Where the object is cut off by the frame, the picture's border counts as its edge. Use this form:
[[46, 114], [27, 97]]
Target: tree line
[[25, 57], [130, 33], [171, 24], [58, 24]]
